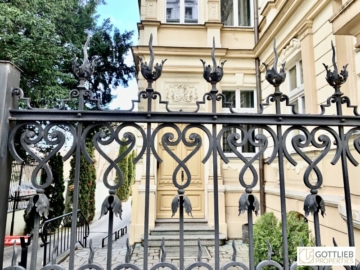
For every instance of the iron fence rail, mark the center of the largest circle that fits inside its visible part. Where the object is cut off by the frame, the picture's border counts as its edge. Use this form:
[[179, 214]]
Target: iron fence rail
[[315, 131], [55, 232]]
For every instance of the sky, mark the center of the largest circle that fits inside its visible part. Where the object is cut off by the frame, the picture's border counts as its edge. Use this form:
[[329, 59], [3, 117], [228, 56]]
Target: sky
[[124, 14]]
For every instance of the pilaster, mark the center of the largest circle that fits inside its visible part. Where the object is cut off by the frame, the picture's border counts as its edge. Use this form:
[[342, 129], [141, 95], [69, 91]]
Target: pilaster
[[9, 78]]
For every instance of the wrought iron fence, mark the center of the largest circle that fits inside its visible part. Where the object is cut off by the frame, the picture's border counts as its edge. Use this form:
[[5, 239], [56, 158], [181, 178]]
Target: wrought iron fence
[[317, 131]]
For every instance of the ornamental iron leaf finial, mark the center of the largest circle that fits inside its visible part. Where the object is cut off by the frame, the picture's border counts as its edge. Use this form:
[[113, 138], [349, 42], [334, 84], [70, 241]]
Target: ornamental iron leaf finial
[[333, 78], [147, 70], [215, 75], [40, 202], [272, 76], [248, 201], [84, 70], [313, 203], [113, 203], [186, 204]]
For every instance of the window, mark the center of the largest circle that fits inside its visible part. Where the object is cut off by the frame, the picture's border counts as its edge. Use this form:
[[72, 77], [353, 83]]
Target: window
[[243, 101], [296, 86], [182, 11], [246, 149], [236, 12], [168, 13]]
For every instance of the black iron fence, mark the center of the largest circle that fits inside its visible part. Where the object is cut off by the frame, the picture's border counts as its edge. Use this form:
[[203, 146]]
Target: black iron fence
[[55, 232], [265, 132]]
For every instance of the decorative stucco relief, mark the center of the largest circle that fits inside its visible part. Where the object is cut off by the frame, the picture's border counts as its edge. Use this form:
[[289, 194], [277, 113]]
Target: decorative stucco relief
[[170, 182], [181, 93], [294, 45], [151, 9], [214, 11]]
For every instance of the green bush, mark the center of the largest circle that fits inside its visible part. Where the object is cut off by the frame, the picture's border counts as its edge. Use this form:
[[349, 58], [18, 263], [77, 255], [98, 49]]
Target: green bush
[[268, 227], [123, 191], [87, 185]]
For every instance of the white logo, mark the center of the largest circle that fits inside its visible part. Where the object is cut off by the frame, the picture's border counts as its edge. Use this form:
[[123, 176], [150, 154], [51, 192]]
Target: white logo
[[326, 256]]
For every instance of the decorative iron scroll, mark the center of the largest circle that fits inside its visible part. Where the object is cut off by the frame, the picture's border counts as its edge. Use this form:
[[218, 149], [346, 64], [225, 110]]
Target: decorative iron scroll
[[68, 130]]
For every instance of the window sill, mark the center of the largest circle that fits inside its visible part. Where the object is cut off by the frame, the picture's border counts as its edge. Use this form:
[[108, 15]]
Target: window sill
[[229, 27], [232, 156]]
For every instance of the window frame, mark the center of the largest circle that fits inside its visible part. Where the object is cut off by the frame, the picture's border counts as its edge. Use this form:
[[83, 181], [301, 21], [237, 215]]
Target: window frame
[[296, 94], [238, 109], [236, 14], [182, 19]]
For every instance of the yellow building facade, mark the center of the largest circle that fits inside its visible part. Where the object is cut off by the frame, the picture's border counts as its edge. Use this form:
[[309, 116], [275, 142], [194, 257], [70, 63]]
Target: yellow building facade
[[243, 31]]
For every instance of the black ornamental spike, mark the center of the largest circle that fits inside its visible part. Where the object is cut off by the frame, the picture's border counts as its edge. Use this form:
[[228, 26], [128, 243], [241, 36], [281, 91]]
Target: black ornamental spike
[[333, 78], [215, 75], [233, 257], [163, 252], [84, 70], [199, 251], [147, 70], [272, 75]]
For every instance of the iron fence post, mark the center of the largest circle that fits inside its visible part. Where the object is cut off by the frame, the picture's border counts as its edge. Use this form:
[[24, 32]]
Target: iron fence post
[[110, 236], [9, 77]]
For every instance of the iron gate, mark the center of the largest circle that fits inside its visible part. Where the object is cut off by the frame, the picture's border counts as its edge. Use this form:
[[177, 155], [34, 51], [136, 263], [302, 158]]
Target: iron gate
[[318, 131]]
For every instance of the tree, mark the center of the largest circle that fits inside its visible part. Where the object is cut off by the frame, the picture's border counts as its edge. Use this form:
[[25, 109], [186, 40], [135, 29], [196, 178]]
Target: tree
[[123, 191], [87, 185], [111, 47], [54, 192], [131, 172], [43, 41]]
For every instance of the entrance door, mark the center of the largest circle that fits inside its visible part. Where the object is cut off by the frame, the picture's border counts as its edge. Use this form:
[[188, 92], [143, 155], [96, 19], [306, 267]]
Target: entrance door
[[166, 190]]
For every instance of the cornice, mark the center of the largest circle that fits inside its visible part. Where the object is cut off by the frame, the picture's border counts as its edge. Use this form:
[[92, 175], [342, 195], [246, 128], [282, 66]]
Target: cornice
[[341, 10], [193, 51], [303, 28], [268, 6], [283, 15]]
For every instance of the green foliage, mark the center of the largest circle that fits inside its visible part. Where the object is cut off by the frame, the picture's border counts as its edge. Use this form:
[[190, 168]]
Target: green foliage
[[87, 184], [41, 37], [54, 192], [268, 227], [123, 191], [91, 184]]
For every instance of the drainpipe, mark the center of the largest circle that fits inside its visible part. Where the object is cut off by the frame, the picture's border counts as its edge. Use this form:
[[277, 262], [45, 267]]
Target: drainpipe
[[259, 99]]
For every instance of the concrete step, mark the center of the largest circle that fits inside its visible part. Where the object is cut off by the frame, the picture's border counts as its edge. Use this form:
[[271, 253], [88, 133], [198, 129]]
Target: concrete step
[[176, 220], [189, 240], [171, 229]]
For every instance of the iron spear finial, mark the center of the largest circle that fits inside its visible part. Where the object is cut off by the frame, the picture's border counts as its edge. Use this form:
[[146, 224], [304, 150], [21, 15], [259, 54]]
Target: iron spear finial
[[215, 74], [147, 70], [84, 70], [272, 75], [333, 78]]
